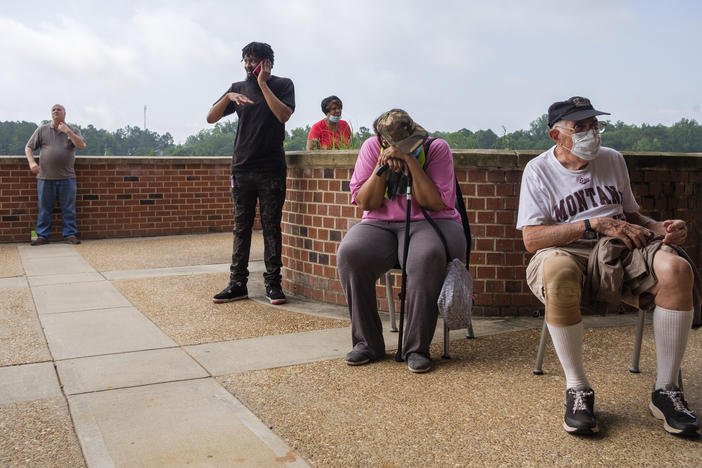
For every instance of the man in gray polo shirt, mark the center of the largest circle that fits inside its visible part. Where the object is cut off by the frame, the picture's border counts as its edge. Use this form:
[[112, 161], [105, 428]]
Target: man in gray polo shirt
[[56, 177]]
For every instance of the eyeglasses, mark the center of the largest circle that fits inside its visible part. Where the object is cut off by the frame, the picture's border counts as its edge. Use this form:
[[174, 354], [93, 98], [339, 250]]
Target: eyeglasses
[[598, 126]]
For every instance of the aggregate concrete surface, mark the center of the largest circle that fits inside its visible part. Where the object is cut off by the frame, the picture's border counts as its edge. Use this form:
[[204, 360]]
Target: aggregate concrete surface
[[159, 252], [112, 354], [38, 433], [482, 407], [182, 307], [10, 264], [20, 332]]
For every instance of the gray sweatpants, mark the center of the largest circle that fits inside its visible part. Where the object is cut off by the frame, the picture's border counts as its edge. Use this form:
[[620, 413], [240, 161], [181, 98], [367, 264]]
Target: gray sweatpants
[[368, 250]]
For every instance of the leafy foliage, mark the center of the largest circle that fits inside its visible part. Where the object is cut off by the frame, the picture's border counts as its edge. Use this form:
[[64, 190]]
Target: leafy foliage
[[14, 136], [683, 136], [215, 141], [296, 139]]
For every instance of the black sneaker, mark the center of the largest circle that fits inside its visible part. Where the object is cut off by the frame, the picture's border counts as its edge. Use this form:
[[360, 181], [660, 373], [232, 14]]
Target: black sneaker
[[580, 412], [274, 293], [669, 405], [233, 292], [418, 363], [357, 358]]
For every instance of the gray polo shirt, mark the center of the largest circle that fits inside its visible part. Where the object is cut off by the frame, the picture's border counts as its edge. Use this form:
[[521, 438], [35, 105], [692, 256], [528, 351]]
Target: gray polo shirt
[[56, 152]]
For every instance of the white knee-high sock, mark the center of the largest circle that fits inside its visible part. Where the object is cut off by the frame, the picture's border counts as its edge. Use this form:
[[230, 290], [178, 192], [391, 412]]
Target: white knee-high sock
[[568, 342], [671, 329]]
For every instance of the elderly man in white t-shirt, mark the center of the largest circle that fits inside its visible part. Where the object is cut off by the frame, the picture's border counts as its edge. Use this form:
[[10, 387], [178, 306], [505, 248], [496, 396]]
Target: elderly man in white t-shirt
[[571, 195]]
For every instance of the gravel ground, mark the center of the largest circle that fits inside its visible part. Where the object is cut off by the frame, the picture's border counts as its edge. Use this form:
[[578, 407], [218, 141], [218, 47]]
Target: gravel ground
[[38, 434], [21, 338], [163, 252], [182, 307], [10, 264], [483, 407]]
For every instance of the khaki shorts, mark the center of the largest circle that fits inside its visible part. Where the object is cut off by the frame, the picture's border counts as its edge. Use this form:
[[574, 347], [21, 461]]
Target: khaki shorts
[[579, 251]]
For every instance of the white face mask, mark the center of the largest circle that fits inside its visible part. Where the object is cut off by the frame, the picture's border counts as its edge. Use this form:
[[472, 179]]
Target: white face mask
[[334, 118], [586, 145]]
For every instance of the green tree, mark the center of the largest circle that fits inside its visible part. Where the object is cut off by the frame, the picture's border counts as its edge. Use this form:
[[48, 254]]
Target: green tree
[[296, 139], [360, 136], [683, 136], [686, 136], [215, 141], [14, 136]]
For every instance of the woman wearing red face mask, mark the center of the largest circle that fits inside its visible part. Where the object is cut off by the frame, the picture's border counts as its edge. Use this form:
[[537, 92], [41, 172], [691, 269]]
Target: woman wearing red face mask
[[331, 132]]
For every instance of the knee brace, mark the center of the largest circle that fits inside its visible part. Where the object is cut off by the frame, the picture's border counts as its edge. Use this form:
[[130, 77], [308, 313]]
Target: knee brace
[[562, 281]]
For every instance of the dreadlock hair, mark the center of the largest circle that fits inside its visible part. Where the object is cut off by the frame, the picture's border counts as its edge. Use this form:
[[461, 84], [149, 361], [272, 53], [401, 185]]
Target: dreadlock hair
[[260, 50]]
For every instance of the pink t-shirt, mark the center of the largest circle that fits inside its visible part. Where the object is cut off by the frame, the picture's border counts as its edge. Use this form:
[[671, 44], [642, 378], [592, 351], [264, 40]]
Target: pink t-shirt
[[439, 168]]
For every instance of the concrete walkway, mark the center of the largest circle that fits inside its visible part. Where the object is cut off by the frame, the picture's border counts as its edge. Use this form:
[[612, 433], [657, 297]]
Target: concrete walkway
[[129, 387], [137, 398]]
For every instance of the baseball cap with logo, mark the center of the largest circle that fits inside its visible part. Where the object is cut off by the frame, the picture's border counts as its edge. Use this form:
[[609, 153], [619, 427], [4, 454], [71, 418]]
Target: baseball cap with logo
[[397, 128], [575, 108]]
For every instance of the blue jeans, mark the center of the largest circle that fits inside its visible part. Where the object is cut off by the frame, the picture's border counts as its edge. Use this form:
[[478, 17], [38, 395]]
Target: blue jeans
[[49, 191]]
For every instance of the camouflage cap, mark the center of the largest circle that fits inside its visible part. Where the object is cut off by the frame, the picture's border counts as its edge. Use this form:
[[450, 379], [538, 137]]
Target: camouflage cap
[[397, 128]]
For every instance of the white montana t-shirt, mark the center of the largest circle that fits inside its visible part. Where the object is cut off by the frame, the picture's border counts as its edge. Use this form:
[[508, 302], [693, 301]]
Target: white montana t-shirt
[[551, 194]]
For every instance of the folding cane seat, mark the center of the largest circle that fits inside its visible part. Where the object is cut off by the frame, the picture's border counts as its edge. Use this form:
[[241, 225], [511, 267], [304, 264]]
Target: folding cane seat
[[460, 206], [391, 312]]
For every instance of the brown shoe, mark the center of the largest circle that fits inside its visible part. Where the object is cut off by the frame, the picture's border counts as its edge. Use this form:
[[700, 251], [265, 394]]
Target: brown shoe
[[40, 241], [72, 240]]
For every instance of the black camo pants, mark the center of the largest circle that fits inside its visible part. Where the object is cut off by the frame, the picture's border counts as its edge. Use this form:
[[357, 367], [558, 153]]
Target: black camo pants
[[268, 188]]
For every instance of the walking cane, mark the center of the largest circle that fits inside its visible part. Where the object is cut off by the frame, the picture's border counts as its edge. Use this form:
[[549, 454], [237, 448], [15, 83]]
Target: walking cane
[[403, 289]]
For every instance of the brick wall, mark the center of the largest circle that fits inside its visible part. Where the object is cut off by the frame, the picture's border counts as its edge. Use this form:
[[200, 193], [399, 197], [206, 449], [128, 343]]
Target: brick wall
[[126, 197], [318, 214]]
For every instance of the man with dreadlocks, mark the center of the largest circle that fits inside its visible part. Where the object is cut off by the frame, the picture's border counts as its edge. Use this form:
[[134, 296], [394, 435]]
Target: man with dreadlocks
[[263, 103]]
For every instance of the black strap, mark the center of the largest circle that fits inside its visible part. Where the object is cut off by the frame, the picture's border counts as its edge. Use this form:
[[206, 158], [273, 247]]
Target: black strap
[[438, 231], [460, 207]]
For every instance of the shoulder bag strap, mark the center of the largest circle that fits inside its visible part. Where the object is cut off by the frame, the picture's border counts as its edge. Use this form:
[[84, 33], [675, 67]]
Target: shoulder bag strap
[[427, 145], [438, 231]]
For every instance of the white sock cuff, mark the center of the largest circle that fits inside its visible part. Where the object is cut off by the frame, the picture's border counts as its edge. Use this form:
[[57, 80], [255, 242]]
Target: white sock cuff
[[575, 326], [663, 309]]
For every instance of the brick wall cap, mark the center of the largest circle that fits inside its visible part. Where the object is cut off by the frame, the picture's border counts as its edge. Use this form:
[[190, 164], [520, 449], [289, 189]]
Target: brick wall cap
[[347, 158]]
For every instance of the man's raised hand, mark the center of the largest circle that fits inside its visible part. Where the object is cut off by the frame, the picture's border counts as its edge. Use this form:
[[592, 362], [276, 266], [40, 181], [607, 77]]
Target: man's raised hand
[[265, 73], [239, 99]]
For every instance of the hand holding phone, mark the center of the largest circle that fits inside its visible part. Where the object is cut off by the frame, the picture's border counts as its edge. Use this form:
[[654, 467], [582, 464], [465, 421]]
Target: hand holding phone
[[256, 71]]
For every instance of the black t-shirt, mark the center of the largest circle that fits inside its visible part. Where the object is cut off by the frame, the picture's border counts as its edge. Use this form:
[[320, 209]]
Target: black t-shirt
[[259, 137]]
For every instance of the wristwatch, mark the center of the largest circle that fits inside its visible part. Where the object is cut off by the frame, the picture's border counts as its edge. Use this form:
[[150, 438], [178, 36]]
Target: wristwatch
[[589, 232]]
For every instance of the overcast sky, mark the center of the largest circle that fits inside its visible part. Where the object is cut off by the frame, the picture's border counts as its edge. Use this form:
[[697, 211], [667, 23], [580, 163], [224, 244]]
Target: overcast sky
[[450, 64]]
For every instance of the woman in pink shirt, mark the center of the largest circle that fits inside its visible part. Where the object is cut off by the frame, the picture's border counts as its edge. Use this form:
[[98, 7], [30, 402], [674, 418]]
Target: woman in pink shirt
[[374, 245]]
